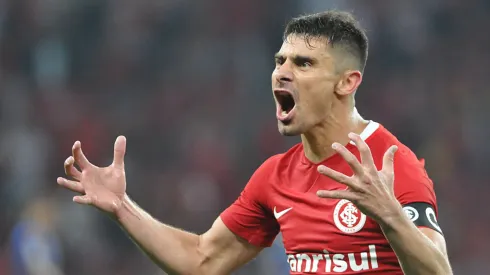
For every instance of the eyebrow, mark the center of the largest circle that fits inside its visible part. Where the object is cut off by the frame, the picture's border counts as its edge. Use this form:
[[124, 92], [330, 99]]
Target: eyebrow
[[297, 58], [278, 55]]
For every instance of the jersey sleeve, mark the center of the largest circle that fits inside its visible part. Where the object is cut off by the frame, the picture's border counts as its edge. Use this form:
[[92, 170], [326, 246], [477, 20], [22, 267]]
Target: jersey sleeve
[[412, 184], [248, 216]]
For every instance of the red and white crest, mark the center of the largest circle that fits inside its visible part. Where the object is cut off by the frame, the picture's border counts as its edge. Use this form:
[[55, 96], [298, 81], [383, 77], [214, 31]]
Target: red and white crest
[[347, 217]]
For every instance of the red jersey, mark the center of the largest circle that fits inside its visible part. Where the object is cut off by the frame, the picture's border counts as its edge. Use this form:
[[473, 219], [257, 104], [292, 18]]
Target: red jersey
[[325, 236]]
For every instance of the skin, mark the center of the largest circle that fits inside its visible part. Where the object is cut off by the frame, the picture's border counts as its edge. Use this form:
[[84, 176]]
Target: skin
[[323, 81], [419, 251], [324, 97]]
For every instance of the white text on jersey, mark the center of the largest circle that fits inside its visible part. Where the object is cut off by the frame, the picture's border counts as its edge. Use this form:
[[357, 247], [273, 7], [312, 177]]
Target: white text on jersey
[[336, 263]]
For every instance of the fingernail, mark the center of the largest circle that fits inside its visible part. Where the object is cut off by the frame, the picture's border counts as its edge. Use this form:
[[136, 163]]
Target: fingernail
[[352, 135]]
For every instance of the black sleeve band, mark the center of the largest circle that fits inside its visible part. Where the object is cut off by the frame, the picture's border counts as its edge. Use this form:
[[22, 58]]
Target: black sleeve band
[[422, 214]]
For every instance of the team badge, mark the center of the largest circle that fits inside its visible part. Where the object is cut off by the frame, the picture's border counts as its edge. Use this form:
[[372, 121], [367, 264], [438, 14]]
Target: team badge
[[347, 217]]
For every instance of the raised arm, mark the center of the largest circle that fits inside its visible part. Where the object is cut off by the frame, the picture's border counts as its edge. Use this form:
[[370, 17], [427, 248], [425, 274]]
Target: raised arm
[[218, 251], [372, 191]]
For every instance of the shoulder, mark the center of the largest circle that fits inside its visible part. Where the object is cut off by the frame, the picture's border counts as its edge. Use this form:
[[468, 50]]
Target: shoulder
[[273, 169], [412, 182], [281, 162], [383, 139]]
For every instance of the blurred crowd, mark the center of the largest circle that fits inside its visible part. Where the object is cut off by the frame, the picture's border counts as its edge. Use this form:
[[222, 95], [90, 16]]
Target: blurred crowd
[[188, 84]]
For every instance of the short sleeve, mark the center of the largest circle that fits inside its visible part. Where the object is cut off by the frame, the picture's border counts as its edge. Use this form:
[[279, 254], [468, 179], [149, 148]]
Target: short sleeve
[[412, 184], [248, 216]]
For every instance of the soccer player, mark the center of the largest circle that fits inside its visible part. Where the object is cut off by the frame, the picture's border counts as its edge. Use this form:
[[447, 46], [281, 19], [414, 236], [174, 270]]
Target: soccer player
[[343, 200]]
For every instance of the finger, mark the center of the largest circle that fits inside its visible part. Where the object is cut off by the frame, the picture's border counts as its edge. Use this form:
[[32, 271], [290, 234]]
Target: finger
[[349, 158], [71, 170], [72, 185], [388, 160], [364, 150], [119, 152], [339, 177], [338, 194], [80, 158], [85, 200]]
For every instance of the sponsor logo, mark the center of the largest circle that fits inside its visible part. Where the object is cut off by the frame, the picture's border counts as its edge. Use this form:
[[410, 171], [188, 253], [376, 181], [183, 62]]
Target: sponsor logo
[[277, 215], [347, 217], [336, 263], [411, 213]]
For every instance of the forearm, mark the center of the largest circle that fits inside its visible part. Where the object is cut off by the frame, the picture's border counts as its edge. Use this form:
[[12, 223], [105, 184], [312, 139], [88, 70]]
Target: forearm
[[417, 254], [174, 250]]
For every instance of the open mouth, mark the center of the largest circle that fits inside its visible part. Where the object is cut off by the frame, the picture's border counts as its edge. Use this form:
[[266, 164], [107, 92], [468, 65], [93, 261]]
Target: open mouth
[[286, 104]]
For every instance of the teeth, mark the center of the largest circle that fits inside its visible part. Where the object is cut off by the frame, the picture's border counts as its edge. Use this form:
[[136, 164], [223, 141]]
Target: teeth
[[284, 113]]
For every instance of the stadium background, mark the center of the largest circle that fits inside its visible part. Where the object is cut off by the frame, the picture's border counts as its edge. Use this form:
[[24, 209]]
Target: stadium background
[[188, 82]]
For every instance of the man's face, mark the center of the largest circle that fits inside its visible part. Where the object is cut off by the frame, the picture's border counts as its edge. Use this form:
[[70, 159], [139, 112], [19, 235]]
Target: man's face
[[303, 84]]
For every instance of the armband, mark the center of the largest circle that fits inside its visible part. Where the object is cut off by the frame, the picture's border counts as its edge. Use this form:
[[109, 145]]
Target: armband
[[422, 214]]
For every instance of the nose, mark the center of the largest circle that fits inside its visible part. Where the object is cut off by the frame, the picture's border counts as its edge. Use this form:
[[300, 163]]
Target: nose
[[283, 73]]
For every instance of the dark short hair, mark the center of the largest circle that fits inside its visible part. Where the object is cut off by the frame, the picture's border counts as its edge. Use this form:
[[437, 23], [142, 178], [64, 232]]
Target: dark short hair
[[339, 28]]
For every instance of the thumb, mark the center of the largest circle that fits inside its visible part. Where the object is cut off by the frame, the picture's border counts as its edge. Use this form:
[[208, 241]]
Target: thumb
[[119, 152], [388, 160]]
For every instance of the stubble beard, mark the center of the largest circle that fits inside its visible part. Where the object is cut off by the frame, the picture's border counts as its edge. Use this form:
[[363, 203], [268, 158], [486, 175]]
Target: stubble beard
[[288, 130]]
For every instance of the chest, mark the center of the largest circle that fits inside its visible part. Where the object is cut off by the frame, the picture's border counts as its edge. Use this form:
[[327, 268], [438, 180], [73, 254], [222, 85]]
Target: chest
[[312, 224]]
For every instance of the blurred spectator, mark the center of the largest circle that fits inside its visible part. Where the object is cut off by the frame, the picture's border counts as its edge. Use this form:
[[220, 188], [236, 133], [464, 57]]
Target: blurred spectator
[[35, 246]]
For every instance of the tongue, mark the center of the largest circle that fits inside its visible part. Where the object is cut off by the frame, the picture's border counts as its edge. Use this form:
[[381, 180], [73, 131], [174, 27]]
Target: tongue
[[283, 114]]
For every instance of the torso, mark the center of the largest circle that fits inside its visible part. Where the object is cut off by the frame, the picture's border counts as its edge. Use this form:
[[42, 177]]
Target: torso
[[324, 236]]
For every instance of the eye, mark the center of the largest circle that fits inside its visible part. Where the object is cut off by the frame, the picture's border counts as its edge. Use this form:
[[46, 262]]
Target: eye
[[305, 64], [280, 60]]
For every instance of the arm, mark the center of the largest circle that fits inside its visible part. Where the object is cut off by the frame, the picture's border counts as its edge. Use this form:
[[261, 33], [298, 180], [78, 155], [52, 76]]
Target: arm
[[419, 250], [218, 251], [416, 237], [374, 194]]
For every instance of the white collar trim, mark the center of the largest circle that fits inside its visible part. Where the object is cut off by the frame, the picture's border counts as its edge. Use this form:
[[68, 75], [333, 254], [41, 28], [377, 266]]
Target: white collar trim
[[368, 131]]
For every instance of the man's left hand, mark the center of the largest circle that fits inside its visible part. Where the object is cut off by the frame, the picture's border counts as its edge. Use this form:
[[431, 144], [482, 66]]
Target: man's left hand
[[369, 189]]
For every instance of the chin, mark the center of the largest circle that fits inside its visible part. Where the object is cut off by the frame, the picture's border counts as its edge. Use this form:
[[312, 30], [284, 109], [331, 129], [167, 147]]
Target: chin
[[289, 130]]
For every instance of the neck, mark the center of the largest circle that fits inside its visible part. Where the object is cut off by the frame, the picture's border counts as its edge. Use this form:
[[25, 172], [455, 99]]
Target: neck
[[317, 142]]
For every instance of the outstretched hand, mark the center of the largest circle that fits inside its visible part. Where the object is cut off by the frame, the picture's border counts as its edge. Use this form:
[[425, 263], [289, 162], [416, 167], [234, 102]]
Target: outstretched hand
[[101, 187], [369, 189]]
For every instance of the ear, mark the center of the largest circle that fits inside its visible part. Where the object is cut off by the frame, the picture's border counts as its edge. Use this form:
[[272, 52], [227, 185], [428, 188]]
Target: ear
[[348, 82]]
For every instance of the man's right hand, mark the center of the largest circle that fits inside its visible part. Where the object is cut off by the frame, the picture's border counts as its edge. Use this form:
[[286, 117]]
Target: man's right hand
[[101, 187], [218, 251]]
